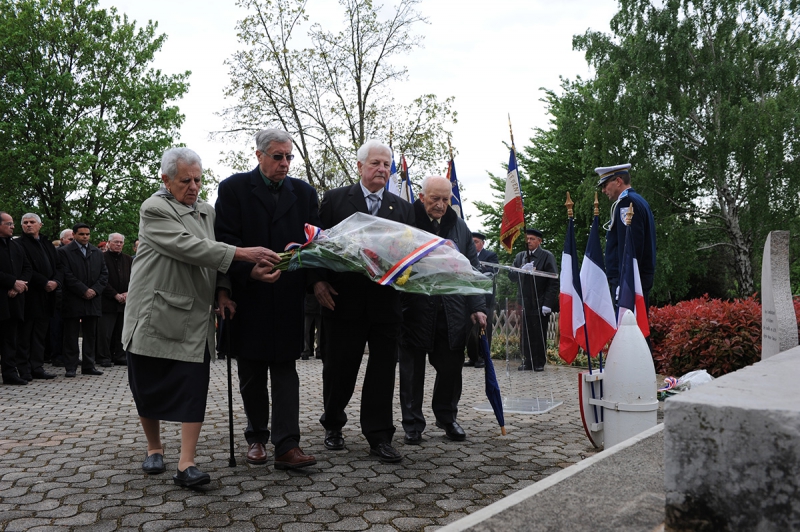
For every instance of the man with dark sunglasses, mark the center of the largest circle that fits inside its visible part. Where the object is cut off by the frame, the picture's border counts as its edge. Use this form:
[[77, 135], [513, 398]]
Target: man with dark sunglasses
[[266, 207]]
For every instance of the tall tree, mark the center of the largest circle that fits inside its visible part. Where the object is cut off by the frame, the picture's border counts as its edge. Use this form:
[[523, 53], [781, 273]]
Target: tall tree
[[84, 118], [706, 92], [336, 93]]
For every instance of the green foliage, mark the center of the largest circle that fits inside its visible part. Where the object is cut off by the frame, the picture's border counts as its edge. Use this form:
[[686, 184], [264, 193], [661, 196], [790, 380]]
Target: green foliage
[[84, 119], [702, 98], [335, 94]]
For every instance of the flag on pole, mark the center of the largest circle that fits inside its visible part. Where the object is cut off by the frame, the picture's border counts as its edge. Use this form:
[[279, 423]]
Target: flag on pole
[[598, 307], [406, 192], [571, 321], [391, 183], [513, 216], [631, 295], [455, 197]]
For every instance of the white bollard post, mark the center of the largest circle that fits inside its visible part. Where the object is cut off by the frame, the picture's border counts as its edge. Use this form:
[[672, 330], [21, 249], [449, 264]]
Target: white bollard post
[[630, 387]]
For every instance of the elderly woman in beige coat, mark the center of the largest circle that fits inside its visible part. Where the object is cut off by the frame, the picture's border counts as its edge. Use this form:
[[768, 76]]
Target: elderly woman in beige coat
[[169, 320]]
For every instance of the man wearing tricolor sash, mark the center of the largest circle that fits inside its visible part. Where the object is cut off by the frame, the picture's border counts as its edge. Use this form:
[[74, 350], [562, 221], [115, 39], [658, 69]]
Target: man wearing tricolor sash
[[437, 325]]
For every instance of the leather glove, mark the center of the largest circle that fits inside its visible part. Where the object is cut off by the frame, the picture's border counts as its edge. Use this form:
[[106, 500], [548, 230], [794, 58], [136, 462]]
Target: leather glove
[[546, 310]]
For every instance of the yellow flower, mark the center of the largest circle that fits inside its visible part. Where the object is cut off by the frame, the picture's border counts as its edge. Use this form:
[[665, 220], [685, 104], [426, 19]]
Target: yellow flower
[[403, 278]]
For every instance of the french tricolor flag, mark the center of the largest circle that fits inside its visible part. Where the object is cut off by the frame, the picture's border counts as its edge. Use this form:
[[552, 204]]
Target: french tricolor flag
[[631, 295], [570, 319], [601, 322]]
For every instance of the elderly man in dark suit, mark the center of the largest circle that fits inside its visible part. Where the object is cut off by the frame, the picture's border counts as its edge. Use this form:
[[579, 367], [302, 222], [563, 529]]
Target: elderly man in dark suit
[[265, 207], [40, 300], [15, 272], [437, 326], [484, 255], [357, 312], [115, 296], [85, 278]]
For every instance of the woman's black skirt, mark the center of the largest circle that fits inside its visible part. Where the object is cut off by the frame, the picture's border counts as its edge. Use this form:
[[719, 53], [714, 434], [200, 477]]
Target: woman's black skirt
[[169, 390]]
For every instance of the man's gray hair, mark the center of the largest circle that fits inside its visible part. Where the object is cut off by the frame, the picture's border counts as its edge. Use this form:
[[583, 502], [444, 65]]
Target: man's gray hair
[[112, 235], [32, 215], [427, 181], [371, 144], [64, 233], [169, 161], [265, 137]]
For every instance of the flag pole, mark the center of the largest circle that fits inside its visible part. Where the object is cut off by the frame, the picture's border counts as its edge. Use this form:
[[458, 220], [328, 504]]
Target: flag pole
[[570, 214], [391, 131], [600, 353]]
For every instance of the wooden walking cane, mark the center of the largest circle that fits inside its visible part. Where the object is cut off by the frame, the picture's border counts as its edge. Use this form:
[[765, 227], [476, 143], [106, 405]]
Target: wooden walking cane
[[228, 356]]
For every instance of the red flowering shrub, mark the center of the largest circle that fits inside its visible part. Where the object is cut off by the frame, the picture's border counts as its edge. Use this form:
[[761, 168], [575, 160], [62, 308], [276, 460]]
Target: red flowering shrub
[[711, 334]]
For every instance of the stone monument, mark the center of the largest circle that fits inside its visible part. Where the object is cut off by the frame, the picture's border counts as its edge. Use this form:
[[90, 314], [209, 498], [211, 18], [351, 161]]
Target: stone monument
[[778, 321]]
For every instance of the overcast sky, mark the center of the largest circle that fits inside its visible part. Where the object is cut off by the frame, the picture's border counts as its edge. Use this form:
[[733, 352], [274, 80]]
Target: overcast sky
[[492, 56]]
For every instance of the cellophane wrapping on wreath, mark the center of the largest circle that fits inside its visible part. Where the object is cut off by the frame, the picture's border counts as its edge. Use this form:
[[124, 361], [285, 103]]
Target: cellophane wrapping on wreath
[[372, 246]]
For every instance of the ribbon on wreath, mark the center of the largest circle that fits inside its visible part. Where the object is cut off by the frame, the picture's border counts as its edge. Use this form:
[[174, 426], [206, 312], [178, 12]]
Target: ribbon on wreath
[[396, 271], [311, 232]]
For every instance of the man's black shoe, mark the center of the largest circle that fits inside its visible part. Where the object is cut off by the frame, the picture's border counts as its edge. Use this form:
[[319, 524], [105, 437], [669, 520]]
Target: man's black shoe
[[70, 373], [386, 453], [191, 477], [538, 368], [452, 430], [413, 437], [154, 464], [334, 441], [106, 363], [14, 379], [524, 367], [469, 364], [480, 364], [26, 378], [120, 362], [42, 374], [58, 362], [91, 371]]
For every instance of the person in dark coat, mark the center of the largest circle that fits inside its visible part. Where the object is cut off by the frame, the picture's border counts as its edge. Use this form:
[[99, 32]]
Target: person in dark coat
[[615, 182], [115, 295], [484, 255], [538, 297], [266, 207], [15, 272], [85, 278], [357, 312], [437, 325], [40, 300]]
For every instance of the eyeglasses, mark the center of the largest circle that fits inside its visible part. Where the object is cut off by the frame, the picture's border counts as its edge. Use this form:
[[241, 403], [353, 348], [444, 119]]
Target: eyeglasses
[[280, 156]]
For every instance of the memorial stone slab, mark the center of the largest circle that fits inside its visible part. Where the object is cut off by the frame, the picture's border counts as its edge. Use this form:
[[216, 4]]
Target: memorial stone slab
[[778, 320]]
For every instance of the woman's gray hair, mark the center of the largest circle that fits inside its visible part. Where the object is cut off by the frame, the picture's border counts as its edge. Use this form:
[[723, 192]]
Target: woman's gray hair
[[371, 144], [32, 215], [169, 161], [265, 137]]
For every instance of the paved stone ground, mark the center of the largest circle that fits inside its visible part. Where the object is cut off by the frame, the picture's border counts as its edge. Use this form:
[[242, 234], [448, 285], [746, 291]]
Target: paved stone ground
[[71, 453]]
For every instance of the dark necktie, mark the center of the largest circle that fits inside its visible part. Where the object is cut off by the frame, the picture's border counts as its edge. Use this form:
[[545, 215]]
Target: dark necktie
[[436, 226]]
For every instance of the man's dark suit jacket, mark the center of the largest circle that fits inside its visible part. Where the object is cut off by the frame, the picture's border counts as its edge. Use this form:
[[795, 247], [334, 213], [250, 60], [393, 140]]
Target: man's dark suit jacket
[[359, 297], [119, 277], [80, 274], [269, 316], [44, 262], [487, 255], [13, 266]]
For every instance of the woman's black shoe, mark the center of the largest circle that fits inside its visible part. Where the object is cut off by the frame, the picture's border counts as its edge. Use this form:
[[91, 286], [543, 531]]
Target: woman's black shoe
[[191, 477], [154, 464]]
